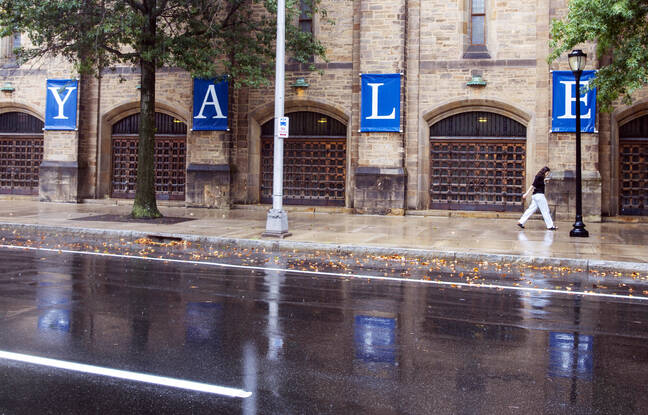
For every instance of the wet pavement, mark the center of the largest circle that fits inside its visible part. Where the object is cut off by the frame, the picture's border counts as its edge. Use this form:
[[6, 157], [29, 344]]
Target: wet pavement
[[306, 342], [505, 273], [610, 246]]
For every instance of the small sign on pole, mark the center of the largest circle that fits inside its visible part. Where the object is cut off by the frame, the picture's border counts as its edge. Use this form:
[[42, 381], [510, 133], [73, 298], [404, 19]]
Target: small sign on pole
[[283, 127]]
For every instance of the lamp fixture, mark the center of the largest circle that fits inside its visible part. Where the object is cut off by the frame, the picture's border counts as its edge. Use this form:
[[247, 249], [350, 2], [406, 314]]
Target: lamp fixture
[[300, 86], [577, 60], [7, 87], [476, 80]]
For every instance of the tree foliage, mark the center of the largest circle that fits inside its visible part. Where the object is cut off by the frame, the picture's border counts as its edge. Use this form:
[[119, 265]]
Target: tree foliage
[[208, 38], [619, 29], [205, 37]]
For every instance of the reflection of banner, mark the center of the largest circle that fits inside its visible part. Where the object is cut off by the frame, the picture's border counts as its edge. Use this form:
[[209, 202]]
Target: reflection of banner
[[380, 102], [375, 339], [53, 307], [54, 319], [563, 114], [202, 321], [570, 355], [210, 101], [61, 104]]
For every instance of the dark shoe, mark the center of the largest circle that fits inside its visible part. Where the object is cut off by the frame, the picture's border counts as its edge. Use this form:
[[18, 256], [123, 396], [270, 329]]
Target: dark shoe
[[520, 225], [553, 228]]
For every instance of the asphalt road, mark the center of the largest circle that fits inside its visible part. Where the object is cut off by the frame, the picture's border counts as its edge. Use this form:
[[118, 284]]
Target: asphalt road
[[273, 342]]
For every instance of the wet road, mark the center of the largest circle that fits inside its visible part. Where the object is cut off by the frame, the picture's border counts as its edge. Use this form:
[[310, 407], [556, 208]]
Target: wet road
[[306, 344]]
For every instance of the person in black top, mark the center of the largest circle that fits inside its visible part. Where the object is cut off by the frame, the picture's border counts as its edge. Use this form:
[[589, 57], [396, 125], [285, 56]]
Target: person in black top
[[538, 199]]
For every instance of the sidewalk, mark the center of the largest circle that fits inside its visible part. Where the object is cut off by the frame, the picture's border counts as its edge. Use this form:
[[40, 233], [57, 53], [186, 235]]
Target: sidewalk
[[615, 246]]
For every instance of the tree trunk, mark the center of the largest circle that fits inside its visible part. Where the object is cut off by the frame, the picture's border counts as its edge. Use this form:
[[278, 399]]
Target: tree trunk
[[145, 205]]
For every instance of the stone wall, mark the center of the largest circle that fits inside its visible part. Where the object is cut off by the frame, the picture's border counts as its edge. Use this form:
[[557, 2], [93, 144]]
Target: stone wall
[[425, 40]]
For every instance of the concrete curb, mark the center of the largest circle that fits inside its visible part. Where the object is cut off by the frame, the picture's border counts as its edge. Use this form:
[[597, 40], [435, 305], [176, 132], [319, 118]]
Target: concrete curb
[[586, 265]]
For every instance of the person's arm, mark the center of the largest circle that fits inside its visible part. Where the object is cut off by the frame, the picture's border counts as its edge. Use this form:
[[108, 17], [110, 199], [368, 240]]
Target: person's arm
[[531, 188]]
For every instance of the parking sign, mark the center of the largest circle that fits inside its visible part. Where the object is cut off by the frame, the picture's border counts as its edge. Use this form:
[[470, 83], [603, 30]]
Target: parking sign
[[283, 127]]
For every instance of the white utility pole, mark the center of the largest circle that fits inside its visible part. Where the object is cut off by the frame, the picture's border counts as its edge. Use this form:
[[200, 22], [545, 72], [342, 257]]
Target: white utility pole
[[277, 222]]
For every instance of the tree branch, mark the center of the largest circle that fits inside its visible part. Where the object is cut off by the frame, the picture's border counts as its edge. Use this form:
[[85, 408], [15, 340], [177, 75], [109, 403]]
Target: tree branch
[[136, 5], [119, 53], [160, 8]]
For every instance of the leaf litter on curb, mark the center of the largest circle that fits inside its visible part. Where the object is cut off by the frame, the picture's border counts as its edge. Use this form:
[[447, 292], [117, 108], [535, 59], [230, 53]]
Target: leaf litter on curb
[[395, 266]]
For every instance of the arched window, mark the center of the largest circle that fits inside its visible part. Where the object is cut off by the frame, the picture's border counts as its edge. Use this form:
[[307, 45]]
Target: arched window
[[21, 153], [164, 124], [633, 167], [477, 162], [314, 160], [478, 124], [170, 153]]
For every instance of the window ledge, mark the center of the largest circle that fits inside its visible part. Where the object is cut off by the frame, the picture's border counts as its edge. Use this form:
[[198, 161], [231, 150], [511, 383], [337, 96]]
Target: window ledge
[[476, 52]]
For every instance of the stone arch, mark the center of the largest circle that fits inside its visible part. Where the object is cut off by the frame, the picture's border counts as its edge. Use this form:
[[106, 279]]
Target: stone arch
[[17, 107], [112, 116], [264, 113], [459, 106], [498, 107]]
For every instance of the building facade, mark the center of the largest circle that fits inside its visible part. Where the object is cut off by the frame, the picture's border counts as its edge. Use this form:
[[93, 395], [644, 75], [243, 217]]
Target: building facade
[[475, 123]]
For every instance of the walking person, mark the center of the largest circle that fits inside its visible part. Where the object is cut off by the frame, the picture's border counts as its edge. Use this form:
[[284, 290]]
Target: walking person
[[538, 199]]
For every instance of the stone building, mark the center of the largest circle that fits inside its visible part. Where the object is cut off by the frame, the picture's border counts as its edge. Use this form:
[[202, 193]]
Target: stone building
[[475, 123]]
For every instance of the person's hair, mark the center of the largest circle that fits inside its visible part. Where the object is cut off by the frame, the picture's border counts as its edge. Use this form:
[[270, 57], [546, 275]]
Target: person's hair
[[543, 171]]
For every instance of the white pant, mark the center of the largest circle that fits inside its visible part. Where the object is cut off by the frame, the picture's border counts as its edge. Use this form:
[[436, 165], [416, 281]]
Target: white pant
[[538, 200]]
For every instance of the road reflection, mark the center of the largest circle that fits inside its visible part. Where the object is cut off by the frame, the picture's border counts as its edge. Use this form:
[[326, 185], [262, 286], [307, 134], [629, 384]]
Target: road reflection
[[305, 344]]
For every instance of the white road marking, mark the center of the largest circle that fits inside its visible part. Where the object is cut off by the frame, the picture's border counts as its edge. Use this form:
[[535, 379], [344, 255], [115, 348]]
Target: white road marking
[[337, 274], [123, 374]]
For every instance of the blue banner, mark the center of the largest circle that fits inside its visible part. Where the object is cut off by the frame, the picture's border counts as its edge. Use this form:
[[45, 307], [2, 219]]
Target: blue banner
[[210, 99], [61, 104], [380, 109], [564, 103]]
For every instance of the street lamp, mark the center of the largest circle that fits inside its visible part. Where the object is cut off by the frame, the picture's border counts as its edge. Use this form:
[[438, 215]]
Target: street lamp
[[577, 60]]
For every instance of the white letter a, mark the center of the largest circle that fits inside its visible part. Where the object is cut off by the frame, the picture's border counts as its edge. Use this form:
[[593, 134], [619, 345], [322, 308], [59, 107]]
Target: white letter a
[[211, 93]]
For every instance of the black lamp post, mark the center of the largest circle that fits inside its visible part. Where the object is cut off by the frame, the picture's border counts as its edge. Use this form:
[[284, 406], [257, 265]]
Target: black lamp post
[[577, 61]]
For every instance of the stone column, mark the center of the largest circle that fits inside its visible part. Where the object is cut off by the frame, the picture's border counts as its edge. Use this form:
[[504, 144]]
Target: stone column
[[414, 151], [59, 170], [208, 169], [560, 151], [89, 107], [380, 178]]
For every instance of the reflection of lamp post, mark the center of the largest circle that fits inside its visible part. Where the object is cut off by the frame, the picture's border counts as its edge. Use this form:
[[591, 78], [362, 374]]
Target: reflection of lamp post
[[577, 61]]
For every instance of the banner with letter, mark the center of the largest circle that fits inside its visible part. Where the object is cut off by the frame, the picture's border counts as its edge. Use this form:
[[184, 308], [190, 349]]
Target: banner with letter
[[61, 104], [380, 107], [563, 113], [210, 100]]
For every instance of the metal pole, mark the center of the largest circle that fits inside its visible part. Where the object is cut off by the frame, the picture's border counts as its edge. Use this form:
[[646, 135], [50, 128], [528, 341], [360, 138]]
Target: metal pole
[[579, 227], [277, 221]]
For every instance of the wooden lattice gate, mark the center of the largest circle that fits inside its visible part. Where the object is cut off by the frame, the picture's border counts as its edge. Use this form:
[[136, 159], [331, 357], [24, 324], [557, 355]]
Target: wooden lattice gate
[[633, 167], [170, 154], [314, 161], [477, 162], [21, 153]]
